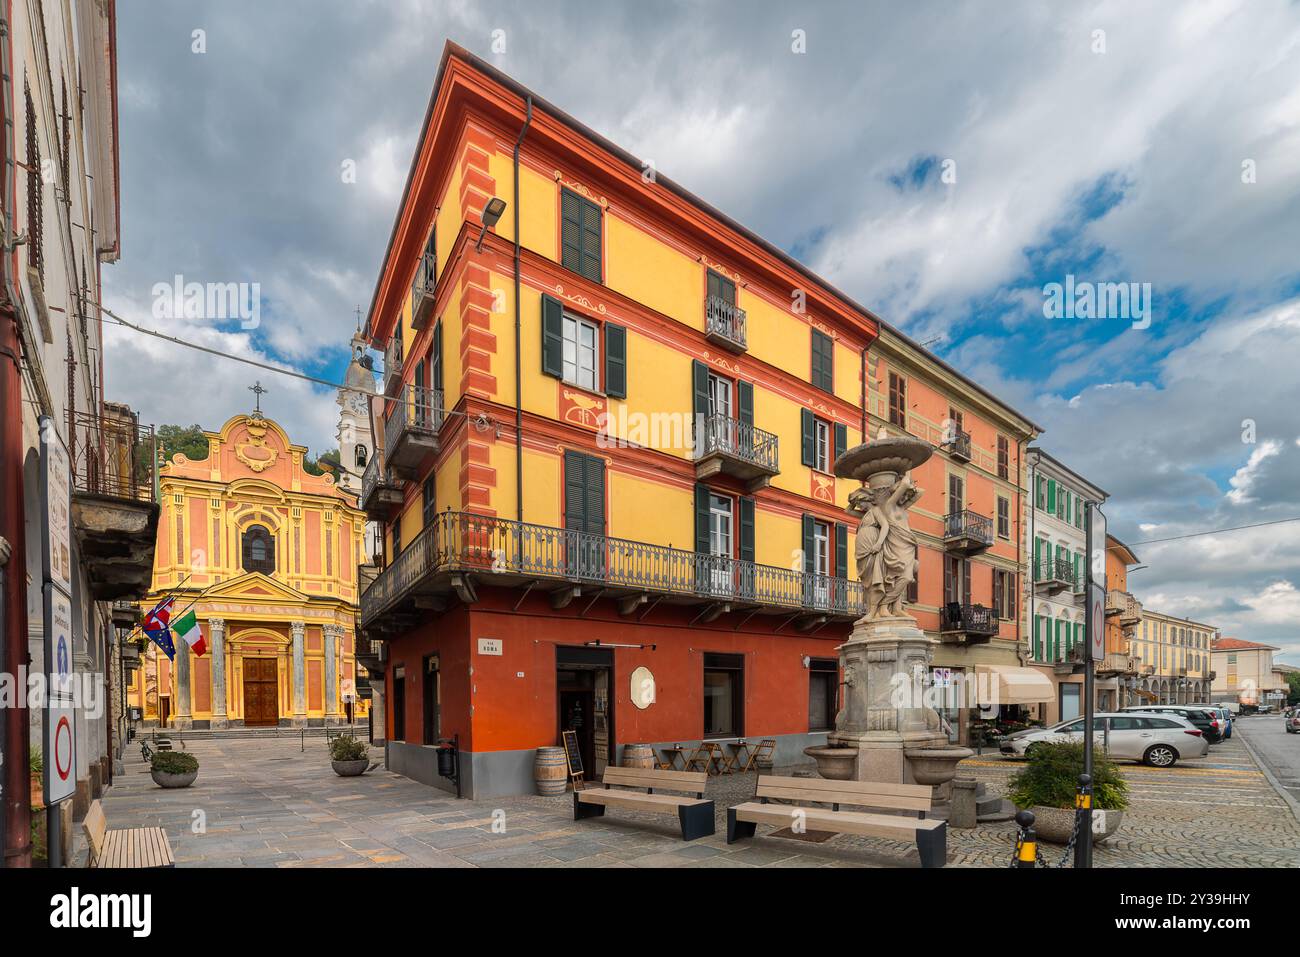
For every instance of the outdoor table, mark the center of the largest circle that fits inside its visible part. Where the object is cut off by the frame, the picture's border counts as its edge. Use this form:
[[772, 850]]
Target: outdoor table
[[672, 756], [739, 754]]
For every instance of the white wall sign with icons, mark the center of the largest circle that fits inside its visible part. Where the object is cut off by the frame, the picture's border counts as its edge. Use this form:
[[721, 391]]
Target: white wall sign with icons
[[642, 690]]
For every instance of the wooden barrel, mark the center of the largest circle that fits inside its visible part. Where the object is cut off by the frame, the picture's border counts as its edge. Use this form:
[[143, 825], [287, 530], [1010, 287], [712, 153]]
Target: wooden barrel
[[638, 756], [551, 772]]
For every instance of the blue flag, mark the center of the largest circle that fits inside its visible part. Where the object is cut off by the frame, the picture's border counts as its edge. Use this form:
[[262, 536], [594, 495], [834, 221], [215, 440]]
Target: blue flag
[[157, 627]]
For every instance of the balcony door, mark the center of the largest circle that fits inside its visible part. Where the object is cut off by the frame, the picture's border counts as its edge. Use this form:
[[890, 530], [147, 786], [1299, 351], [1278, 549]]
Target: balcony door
[[721, 543], [956, 494], [584, 515]]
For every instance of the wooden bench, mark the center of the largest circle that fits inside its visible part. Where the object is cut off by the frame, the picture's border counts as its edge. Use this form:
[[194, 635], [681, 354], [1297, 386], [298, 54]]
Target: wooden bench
[[132, 847], [931, 836], [694, 813]]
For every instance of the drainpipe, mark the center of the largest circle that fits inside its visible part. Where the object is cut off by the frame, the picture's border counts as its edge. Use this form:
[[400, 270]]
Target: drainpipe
[[864, 393], [15, 819], [519, 398]]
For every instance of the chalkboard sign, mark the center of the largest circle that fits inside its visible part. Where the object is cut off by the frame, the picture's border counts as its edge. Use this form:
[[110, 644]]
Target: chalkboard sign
[[572, 754]]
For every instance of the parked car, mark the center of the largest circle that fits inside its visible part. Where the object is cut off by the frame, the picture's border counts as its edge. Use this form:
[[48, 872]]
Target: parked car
[[1225, 716], [1201, 716], [1292, 722], [1160, 740]]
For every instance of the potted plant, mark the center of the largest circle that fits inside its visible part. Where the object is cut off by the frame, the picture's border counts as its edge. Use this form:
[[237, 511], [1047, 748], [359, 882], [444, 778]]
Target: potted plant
[[173, 769], [1048, 783], [36, 769], [348, 756]]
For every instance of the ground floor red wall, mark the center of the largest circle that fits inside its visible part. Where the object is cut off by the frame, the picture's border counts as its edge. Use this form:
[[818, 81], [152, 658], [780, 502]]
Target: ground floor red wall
[[509, 702]]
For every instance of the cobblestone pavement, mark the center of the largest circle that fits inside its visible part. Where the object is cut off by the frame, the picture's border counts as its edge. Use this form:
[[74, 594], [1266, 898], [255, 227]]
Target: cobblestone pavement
[[267, 803]]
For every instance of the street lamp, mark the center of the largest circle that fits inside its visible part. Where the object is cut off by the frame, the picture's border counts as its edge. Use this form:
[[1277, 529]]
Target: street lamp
[[492, 211]]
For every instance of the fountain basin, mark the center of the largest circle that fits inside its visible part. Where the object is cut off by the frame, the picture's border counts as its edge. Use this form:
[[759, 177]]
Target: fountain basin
[[834, 764], [898, 454], [935, 766]]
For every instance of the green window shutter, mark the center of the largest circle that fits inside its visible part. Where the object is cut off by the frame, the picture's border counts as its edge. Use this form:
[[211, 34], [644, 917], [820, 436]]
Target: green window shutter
[[700, 388], [437, 355], [615, 361], [701, 519], [1051, 496], [1038, 558], [746, 529], [841, 550], [1038, 638], [745, 401], [591, 244], [808, 544], [552, 337], [808, 443], [1056, 641], [841, 439], [580, 227], [823, 359], [584, 493]]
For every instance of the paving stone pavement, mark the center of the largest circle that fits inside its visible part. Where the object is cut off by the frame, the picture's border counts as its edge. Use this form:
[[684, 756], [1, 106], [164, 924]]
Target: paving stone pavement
[[267, 803]]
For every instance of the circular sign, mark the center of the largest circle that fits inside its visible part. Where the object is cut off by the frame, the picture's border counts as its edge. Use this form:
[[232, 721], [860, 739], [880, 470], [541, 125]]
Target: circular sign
[[643, 688], [62, 733]]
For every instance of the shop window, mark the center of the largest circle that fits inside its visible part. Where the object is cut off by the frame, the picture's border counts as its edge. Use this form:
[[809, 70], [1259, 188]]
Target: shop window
[[724, 697], [823, 687]]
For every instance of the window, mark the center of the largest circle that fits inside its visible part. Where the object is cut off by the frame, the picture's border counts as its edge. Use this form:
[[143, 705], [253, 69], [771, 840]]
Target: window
[[1070, 703], [1004, 457], [823, 361], [897, 400], [953, 426], [1004, 593], [821, 548], [399, 704], [428, 505], [258, 550], [956, 494], [361, 456], [724, 705], [35, 192], [719, 395], [822, 441], [580, 238], [1004, 517], [581, 339], [821, 446], [823, 688], [720, 287]]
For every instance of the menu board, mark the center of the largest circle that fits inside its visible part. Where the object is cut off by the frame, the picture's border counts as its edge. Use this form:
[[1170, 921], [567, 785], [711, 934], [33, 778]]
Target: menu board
[[572, 754]]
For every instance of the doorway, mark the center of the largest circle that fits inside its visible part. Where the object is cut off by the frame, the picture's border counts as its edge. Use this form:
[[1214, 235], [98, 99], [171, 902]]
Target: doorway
[[584, 679], [261, 693]]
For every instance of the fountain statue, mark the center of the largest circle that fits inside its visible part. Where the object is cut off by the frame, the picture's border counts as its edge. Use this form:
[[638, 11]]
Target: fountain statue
[[885, 730]]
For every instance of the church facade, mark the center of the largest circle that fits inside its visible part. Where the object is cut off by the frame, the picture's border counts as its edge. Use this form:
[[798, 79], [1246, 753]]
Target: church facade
[[266, 555]]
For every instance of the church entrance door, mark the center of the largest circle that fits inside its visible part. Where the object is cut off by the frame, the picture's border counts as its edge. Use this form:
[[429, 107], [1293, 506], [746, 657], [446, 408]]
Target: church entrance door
[[261, 700]]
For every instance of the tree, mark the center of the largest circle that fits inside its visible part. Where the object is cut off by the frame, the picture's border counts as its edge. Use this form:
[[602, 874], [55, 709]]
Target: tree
[[1293, 687], [325, 462], [187, 440]]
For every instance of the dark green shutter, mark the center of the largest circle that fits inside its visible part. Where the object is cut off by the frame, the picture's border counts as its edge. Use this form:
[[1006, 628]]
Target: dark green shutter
[[700, 384], [615, 361], [745, 401], [823, 359], [841, 550], [701, 519], [584, 493], [841, 440], [808, 443], [746, 529], [808, 565], [580, 227], [552, 337], [437, 355]]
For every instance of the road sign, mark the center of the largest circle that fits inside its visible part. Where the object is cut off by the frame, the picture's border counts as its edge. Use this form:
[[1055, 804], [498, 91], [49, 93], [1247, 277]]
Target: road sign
[[56, 497], [60, 712]]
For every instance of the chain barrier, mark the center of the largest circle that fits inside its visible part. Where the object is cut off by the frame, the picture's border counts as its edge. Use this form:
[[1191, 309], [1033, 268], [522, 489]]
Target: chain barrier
[[1027, 852]]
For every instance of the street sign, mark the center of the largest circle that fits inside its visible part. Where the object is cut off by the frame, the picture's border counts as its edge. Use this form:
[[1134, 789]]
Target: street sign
[[1097, 546], [56, 497], [60, 713]]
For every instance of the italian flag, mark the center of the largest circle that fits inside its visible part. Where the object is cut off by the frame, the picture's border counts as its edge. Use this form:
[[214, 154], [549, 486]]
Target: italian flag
[[187, 627]]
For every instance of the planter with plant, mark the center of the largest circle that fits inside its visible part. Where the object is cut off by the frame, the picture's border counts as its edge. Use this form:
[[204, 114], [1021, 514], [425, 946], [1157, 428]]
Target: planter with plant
[[348, 756], [1048, 783], [173, 769]]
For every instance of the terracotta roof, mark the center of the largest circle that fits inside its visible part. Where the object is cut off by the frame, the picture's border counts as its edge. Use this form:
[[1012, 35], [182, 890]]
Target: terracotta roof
[[1240, 644]]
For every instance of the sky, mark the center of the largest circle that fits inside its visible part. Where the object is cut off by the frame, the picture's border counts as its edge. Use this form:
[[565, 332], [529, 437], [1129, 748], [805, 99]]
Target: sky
[[942, 163]]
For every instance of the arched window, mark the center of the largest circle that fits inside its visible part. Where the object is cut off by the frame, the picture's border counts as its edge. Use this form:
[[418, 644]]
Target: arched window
[[361, 456], [259, 550]]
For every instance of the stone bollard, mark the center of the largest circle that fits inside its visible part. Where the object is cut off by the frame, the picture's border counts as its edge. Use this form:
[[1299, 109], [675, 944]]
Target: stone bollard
[[962, 812]]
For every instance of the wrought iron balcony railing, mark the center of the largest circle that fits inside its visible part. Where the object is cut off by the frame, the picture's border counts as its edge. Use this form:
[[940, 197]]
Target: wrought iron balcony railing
[[412, 420], [487, 547], [113, 456], [721, 434], [1054, 571], [422, 291], [724, 323], [957, 445], [392, 365], [968, 618], [379, 490], [968, 531]]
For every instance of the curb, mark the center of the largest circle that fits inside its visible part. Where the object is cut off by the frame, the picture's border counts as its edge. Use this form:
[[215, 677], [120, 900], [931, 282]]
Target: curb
[[1291, 802]]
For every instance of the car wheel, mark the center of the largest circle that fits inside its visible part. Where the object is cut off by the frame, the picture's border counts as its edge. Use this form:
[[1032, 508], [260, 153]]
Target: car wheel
[[1160, 756]]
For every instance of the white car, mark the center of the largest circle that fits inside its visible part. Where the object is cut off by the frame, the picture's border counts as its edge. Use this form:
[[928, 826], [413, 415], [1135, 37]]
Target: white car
[[1160, 740]]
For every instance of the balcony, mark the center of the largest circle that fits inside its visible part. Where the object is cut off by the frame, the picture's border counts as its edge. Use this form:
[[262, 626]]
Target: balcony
[[724, 324], [393, 366], [380, 493], [113, 460], [1053, 575], [958, 447], [1117, 664], [411, 426], [371, 655], [728, 446], [974, 623], [422, 292], [1122, 605], [967, 532], [458, 551]]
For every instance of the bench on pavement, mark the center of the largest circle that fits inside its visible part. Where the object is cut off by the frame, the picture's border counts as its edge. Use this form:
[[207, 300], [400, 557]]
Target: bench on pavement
[[695, 814], [930, 836], [127, 847]]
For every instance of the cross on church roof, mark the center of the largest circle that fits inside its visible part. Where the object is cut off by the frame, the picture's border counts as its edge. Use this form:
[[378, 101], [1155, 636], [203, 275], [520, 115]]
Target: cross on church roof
[[258, 391]]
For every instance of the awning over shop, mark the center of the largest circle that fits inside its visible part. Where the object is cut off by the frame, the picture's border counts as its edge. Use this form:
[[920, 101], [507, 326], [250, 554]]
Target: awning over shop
[[1014, 685]]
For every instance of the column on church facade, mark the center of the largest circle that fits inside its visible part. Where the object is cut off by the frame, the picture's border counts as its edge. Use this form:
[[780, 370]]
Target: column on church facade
[[217, 638], [299, 675], [332, 635], [184, 718]]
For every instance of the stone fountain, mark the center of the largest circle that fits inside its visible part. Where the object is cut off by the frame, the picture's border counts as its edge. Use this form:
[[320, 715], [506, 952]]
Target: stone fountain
[[886, 730]]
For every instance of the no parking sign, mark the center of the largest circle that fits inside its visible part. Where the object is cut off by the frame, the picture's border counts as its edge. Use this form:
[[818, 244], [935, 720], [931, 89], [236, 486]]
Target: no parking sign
[[56, 558]]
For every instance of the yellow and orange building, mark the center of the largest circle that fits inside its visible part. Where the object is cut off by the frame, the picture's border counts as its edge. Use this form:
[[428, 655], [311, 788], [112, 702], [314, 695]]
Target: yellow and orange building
[[267, 554], [608, 426]]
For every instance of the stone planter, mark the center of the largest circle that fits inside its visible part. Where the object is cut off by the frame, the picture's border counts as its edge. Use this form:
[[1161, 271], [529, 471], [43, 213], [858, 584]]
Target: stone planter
[[350, 769], [165, 779], [834, 764], [1055, 824]]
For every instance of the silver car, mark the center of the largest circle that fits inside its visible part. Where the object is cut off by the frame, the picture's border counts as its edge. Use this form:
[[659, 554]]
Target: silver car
[[1160, 740]]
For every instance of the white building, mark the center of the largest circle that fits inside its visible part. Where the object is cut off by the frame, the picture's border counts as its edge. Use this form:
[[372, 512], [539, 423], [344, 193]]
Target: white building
[[1056, 541]]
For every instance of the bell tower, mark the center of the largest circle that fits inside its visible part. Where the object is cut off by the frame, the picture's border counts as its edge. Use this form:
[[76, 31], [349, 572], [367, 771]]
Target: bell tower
[[355, 435]]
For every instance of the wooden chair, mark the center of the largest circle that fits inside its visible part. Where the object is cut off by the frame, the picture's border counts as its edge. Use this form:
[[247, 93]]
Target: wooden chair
[[694, 814], [763, 751], [708, 756], [133, 847], [931, 836]]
